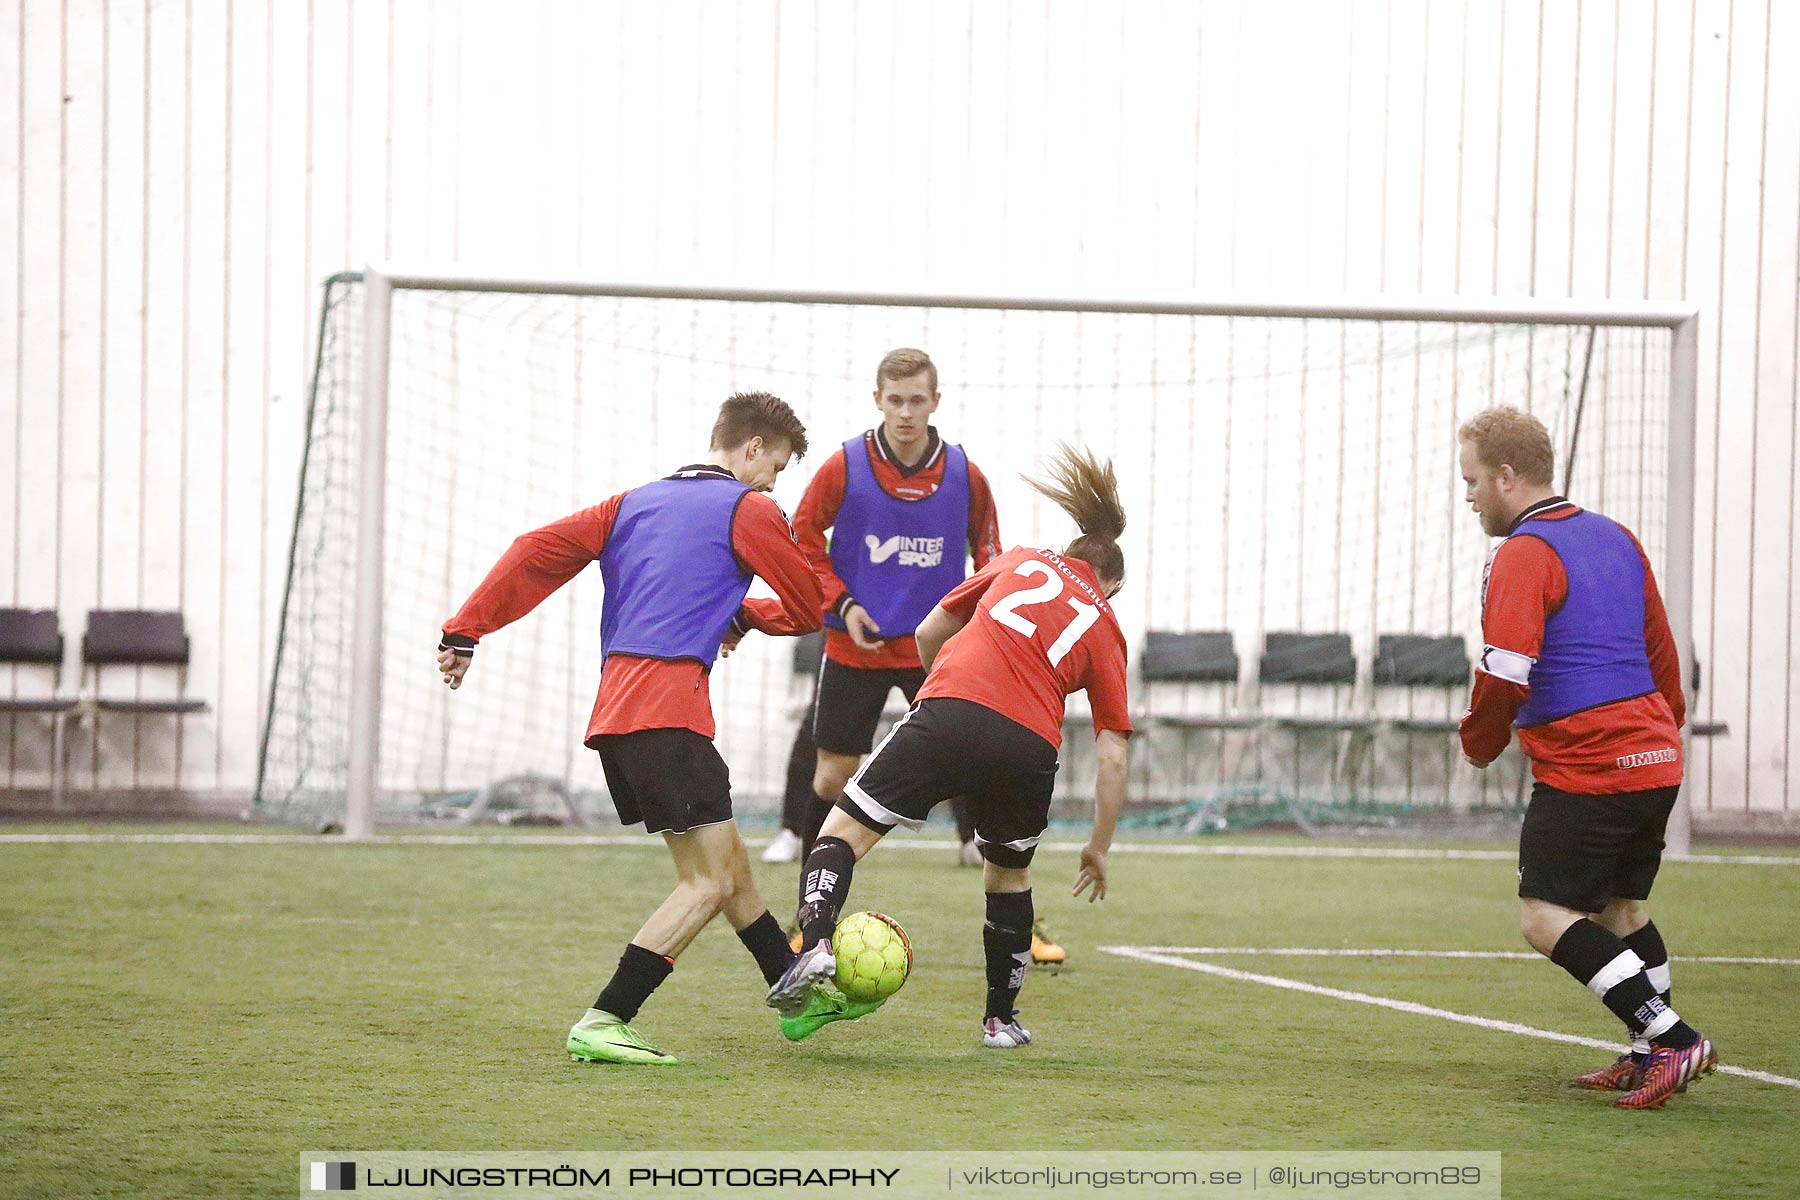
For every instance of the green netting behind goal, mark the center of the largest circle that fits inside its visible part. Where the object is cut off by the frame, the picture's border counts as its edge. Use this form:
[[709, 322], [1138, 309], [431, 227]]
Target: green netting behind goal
[[1280, 474]]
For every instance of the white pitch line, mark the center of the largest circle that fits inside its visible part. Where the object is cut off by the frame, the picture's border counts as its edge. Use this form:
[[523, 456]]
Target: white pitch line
[[1384, 952], [1406, 1006], [638, 839]]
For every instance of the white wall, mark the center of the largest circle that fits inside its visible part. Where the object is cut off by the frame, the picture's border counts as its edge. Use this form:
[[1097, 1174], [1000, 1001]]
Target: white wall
[[188, 173]]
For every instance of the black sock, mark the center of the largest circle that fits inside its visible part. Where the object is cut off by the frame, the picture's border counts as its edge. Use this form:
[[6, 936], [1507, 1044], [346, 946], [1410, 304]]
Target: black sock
[[1603, 963], [1647, 944], [797, 796], [764, 939], [824, 884], [817, 809], [1678, 1036], [1006, 937], [640, 972]]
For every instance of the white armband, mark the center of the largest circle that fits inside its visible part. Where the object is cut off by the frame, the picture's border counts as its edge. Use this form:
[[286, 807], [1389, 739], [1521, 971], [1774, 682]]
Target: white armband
[[1506, 664]]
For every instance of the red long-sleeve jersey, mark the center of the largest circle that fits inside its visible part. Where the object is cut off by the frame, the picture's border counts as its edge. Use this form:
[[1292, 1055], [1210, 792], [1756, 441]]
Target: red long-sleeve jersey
[[646, 693], [1039, 628], [817, 512], [1629, 746]]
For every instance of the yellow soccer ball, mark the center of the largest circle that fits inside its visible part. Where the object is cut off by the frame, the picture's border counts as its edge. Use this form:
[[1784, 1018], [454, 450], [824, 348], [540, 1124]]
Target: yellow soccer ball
[[873, 954]]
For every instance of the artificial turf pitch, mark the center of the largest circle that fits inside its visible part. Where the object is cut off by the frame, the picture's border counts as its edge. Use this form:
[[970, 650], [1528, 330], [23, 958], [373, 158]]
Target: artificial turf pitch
[[185, 1019]]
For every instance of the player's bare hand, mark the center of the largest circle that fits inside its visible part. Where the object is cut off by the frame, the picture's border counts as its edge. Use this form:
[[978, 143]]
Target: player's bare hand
[[1093, 871], [453, 666], [863, 629], [1475, 762], [732, 638]]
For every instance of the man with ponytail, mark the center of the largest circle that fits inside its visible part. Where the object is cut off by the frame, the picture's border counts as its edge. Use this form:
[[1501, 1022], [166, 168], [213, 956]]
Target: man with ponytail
[[1003, 651]]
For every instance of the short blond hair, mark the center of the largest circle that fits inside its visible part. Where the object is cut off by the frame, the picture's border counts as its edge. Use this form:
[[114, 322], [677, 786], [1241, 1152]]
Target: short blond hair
[[1507, 436], [904, 363]]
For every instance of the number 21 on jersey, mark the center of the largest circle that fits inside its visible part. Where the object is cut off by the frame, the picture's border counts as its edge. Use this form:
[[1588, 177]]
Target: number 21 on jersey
[[1006, 609]]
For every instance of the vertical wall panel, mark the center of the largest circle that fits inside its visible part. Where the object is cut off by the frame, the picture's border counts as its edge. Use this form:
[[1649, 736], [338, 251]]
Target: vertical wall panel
[[1442, 174], [1478, 120], [1558, 121], [1516, 131], [12, 233], [1703, 241], [1628, 168], [139, 752], [1364, 135], [80, 317], [1771, 515], [407, 169], [1404, 161], [207, 326], [38, 375], [244, 292], [12, 291], [1586, 211], [39, 386], [31, 382], [1739, 310], [290, 306], [1218, 126], [122, 403], [369, 72]]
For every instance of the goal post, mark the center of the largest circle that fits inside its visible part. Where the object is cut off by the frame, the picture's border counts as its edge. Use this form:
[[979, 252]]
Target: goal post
[[638, 369]]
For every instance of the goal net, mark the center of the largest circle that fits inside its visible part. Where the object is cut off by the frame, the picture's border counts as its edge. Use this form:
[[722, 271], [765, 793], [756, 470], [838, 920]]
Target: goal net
[[1288, 470]]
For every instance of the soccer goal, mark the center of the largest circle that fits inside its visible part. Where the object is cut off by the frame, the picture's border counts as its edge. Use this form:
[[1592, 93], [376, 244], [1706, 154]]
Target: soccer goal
[[1304, 578]]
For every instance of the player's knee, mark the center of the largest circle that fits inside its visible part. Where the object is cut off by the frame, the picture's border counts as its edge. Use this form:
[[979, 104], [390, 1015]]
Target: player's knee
[[998, 878], [1531, 927], [709, 892], [735, 883], [1544, 924], [1624, 917]]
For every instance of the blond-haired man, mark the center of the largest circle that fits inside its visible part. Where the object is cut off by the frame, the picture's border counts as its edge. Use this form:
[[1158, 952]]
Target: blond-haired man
[[1578, 655]]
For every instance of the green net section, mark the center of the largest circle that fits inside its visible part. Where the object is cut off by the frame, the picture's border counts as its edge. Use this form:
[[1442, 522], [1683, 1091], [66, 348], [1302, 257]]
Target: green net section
[[1281, 476], [305, 744]]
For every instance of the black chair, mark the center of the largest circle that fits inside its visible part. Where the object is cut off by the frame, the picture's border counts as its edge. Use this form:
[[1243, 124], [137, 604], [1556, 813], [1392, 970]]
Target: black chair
[[136, 637], [1206, 659], [33, 637], [1203, 656], [30, 636], [1310, 661], [1311, 658], [1411, 660]]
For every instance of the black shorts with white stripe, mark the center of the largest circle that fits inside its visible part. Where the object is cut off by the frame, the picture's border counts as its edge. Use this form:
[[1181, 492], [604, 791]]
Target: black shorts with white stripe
[[946, 747]]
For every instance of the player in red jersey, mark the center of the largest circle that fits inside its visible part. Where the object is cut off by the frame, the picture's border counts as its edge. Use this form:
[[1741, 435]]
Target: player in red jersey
[[902, 505], [1579, 656], [1003, 650], [678, 555]]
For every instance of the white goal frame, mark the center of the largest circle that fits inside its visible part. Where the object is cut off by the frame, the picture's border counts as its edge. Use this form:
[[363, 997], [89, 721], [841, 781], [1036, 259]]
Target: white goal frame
[[380, 283]]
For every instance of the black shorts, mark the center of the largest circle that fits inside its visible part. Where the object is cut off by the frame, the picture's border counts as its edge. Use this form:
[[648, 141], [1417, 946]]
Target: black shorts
[[672, 780], [1580, 851], [946, 747], [848, 703]]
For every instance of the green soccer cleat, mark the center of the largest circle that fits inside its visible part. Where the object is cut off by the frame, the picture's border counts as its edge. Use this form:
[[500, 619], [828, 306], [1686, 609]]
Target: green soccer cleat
[[617, 1043], [825, 1005]]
